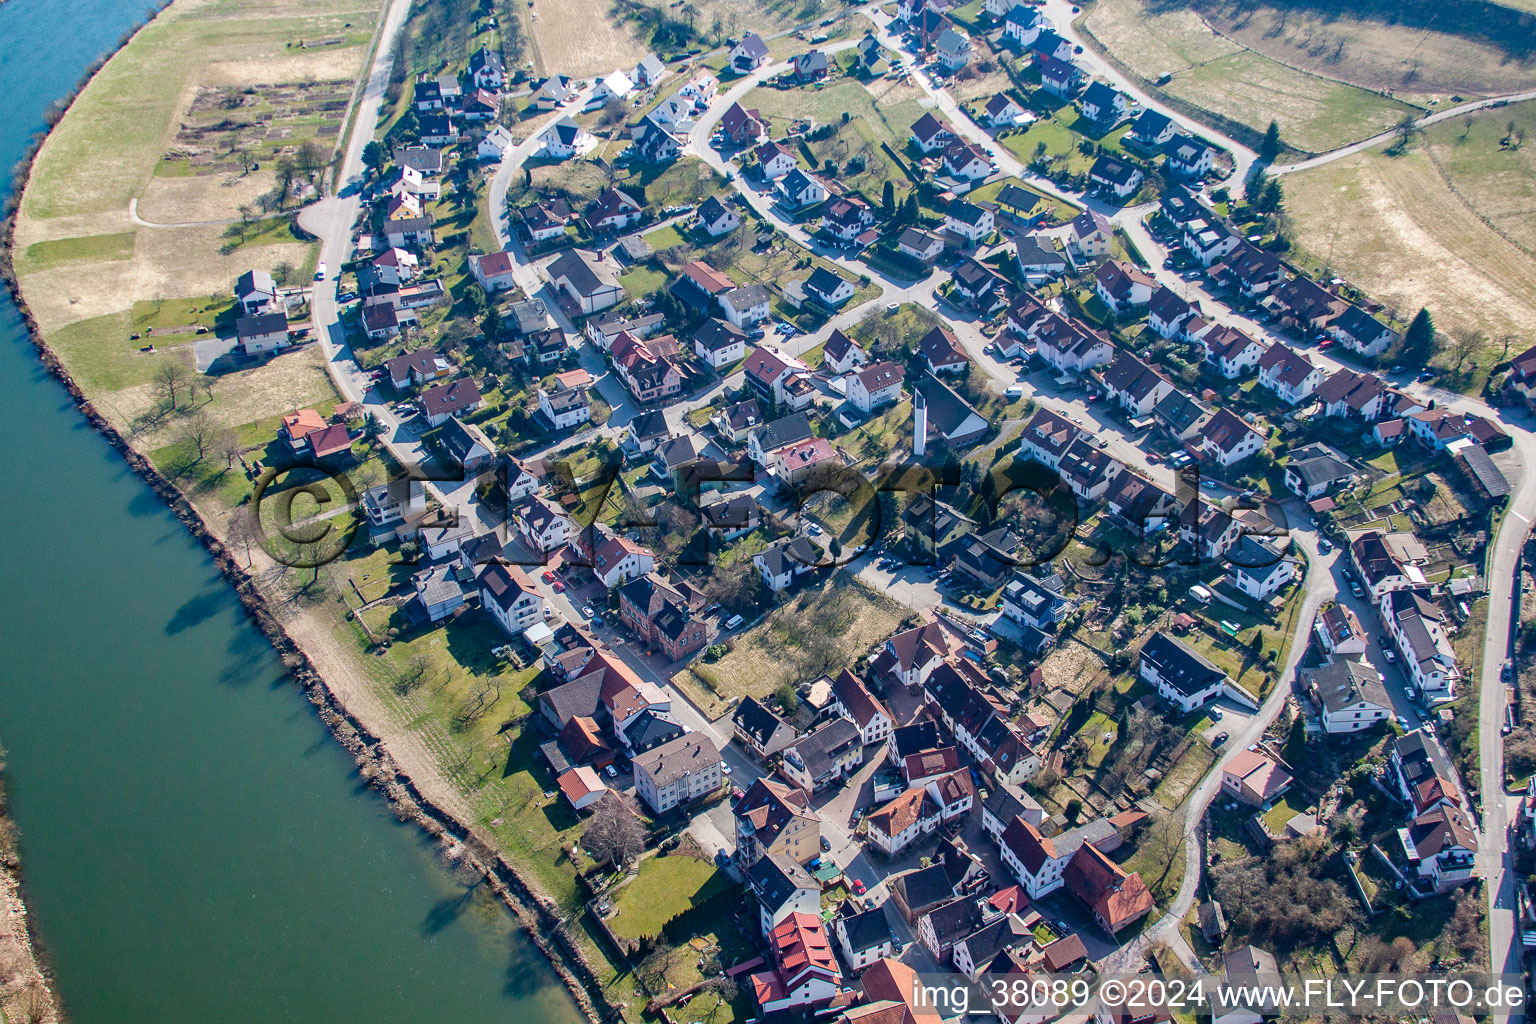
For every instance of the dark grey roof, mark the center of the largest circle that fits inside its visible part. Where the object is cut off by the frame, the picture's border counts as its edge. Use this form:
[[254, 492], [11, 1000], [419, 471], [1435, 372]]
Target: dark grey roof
[[910, 739], [755, 720], [1346, 682], [775, 879], [1484, 471], [786, 430], [1179, 665], [867, 930], [650, 728], [580, 696], [787, 555], [954, 920], [818, 749], [923, 887], [261, 323]]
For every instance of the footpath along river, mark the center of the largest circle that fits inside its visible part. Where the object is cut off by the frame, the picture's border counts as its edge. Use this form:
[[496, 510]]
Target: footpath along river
[[195, 846]]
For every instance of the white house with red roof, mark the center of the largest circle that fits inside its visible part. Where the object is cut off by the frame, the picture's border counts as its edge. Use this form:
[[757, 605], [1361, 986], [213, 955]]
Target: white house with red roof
[[618, 559], [862, 708], [1288, 373], [804, 971], [494, 271]]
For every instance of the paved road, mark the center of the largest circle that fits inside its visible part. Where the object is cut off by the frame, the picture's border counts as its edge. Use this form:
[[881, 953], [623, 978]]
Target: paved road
[[332, 219]]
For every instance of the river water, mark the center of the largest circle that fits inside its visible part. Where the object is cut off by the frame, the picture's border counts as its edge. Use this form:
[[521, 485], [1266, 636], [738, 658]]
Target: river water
[[195, 846]]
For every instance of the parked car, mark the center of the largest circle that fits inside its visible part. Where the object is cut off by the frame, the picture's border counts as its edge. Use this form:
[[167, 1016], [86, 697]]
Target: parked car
[[858, 887], [733, 622], [1216, 713], [826, 844], [1219, 739], [725, 769], [611, 771]]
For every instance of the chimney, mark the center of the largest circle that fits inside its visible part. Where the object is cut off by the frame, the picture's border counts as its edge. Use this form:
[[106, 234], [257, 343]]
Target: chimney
[[919, 422]]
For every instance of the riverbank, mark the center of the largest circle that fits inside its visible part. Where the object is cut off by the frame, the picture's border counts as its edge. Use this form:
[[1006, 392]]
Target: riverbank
[[363, 738], [26, 988]]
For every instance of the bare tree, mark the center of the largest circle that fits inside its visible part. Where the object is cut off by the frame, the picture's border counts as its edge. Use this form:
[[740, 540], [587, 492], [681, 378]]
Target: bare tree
[[614, 835], [411, 674], [1465, 343], [239, 531], [227, 443], [171, 377], [197, 433], [662, 958]]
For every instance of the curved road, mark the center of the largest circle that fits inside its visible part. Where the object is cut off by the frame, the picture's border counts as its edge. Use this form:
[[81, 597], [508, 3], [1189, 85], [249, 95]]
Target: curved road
[[332, 220]]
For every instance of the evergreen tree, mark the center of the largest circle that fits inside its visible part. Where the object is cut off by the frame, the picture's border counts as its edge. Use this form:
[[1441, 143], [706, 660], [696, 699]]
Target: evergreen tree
[[1419, 342], [1296, 743], [1270, 147], [888, 200], [1274, 196]]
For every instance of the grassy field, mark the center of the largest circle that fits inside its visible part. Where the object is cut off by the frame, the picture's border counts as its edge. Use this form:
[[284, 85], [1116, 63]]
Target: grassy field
[[1411, 229], [1219, 74], [665, 888], [1314, 113], [887, 109], [579, 38], [1375, 54], [835, 623], [83, 262]]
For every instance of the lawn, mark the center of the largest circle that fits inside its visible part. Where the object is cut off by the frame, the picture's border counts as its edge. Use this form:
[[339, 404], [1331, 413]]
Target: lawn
[[1283, 811], [1216, 73], [824, 627], [1412, 236], [1184, 774], [664, 888], [1315, 114], [887, 120], [88, 249]]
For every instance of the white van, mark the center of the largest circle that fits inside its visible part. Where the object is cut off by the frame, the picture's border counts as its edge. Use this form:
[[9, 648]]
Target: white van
[[733, 622], [1201, 594], [1017, 391]]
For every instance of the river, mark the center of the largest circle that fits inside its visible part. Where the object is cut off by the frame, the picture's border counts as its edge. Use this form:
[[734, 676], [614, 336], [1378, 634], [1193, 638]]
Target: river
[[195, 846]]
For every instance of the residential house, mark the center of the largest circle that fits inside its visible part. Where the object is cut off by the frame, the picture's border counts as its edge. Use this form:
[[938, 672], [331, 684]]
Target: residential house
[[759, 730], [784, 561], [487, 70], [804, 972], [766, 442], [588, 278], [1003, 111], [613, 211], [1312, 474], [647, 368], [1023, 24], [552, 92], [824, 756], [1349, 695], [1346, 393], [1190, 157], [1091, 234], [978, 286], [911, 656], [1133, 385], [1228, 440], [546, 220], [810, 66], [719, 343], [717, 219], [256, 292], [1104, 104], [746, 306], [749, 54], [829, 289], [743, 127], [1208, 239], [942, 352], [677, 773], [1151, 129], [774, 161], [848, 220], [564, 139], [1228, 349], [735, 422], [1117, 177], [797, 190], [467, 445], [455, 398], [969, 223], [842, 354], [542, 525], [926, 247], [782, 888], [393, 502], [774, 818], [1046, 438], [565, 407], [1362, 333], [1288, 373], [953, 48], [1339, 631], [262, 333], [1417, 627], [864, 937], [1183, 677], [494, 271], [1038, 258], [1116, 898], [1381, 572], [855, 702], [955, 694], [510, 597], [875, 386], [1122, 286], [1061, 78], [930, 134], [1179, 416]]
